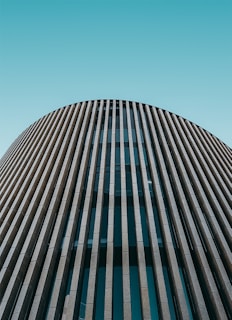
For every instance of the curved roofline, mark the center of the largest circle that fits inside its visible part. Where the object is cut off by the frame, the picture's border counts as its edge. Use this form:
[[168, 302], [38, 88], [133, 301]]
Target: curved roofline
[[138, 102]]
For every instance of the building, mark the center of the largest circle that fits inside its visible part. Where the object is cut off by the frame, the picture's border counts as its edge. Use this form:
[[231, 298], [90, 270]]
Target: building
[[114, 209]]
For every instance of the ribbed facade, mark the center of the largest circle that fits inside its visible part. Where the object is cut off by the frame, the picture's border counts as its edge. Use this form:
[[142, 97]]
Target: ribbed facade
[[114, 209]]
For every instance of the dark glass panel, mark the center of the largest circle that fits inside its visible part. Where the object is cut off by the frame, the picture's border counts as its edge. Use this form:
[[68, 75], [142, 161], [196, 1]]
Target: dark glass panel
[[117, 227], [83, 286], [135, 293], [117, 119], [117, 285], [84, 294], [152, 293], [117, 156], [168, 284], [136, 155], [127, 155], [144, 226], [104, 222], [100, 288], [126, 138], [169, 293], [128, 181], [117, 135], [91, 227], [124, 119], [131, 222], [186, 294]]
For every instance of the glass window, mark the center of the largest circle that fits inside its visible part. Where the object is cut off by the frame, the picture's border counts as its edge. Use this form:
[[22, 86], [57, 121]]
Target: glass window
[[168, 286], [117, 284], [144, 225], [84, 294], [70, 273], [117, 135], [127, 155], [100, 286], [186, 293], [84, 285], [117, 119], [169, 293], [91, 227], [136, 155], [124, 118], [152, 293], [126, 138], [117, 227], [117, 182], [117, 155], [117, 293], [135, 293], [104, 222], [131, 221], [128, 181]]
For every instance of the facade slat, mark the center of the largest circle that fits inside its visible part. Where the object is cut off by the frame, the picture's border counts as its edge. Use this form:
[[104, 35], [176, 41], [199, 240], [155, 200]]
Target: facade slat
[[85, 227], [15, 182], [224, 163], [91, 291], [176, 220], [199, 246], [113, 209], [48, 223], [222, 210], [24, 151], [58, 291], [157, 264], [29, 230], [124, 221], [203, 171], [169, 246], [138, 228], [30, 199], [108, 299], [222, 178], [57, 236]]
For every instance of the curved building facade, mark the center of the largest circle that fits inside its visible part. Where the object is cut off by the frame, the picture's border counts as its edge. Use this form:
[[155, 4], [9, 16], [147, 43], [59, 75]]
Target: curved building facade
[[114, 209]]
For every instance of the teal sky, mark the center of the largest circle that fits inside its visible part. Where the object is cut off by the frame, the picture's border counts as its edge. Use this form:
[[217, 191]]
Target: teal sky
[[174, 54]]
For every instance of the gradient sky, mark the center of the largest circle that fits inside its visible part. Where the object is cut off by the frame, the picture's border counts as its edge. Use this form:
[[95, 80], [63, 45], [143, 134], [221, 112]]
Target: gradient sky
[[173, 54]]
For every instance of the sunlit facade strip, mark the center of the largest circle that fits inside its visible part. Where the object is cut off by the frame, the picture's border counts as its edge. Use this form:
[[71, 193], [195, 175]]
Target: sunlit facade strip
[[113, 209]]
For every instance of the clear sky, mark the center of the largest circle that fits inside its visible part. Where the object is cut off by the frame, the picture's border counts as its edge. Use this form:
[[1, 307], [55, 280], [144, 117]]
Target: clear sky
[[173, 54]]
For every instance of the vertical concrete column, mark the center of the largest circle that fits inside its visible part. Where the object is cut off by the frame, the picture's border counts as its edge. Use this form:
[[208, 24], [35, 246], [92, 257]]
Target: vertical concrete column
[[171, 257], [67, 149], [23, 187], [82, 240], [124, 225], [203, 169], [180, 234], [157, 263], [22, 218], [62, 270], [110, 230], [220, 148], [219, 174], [19, 269], [206, 235], [91, 291], [211, 218], [223, 156], [77, 141], [20, 159], [139, 235], [189, 220]]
